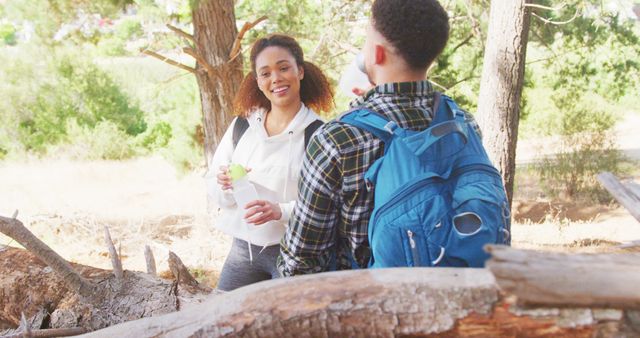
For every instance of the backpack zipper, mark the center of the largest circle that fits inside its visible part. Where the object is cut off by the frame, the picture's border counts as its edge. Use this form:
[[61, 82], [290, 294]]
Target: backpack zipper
[[420, 185], [414, 249]]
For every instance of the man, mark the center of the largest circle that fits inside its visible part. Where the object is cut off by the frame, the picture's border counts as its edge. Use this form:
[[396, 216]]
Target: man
[[328, 230]]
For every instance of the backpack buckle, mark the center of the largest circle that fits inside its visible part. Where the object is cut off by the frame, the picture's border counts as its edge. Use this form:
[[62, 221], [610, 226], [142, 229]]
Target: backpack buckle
[[390, 127], [368, 185]]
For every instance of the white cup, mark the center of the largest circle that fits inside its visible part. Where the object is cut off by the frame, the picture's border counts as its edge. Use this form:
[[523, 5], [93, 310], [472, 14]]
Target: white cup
[[354, 76]]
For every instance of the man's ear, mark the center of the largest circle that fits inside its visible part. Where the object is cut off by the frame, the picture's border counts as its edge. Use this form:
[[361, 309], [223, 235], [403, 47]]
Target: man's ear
[[381, 55]]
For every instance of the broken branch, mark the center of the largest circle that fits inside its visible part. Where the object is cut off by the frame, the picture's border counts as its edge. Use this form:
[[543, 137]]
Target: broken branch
[[557, 23], [167, 60], [181, 33], [18, 232], [151, 261], [180, 271], [235, 50], [115, 259], [200, 60]]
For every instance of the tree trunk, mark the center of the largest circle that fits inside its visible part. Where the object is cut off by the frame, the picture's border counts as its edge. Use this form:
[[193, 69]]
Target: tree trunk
[[501, 84], [214, 27], [447, 302]]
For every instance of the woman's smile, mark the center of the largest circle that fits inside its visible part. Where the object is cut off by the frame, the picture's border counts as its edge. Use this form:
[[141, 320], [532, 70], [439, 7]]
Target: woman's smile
[[280, 91]]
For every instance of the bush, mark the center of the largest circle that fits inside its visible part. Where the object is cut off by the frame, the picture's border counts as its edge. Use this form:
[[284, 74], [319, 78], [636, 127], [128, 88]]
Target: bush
[[128, 29], [72, 89], [112, 46], [115, 44], [158, 137], [587, 148], [105, 141], [8, 34]]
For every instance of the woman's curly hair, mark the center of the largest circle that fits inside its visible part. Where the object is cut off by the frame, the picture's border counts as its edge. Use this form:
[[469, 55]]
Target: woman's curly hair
[[315, 90]]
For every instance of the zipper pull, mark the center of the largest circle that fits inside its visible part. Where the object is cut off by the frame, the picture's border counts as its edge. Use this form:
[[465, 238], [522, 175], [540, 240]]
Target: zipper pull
[[414, 249], [411, 241]]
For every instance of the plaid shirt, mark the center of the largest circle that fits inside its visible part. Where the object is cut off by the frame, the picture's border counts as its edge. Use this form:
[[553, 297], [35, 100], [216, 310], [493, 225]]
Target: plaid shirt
[[328, 227]]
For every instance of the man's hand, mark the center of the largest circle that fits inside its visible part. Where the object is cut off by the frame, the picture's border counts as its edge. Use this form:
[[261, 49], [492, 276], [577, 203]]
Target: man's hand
[[360, 91], [261, 211]]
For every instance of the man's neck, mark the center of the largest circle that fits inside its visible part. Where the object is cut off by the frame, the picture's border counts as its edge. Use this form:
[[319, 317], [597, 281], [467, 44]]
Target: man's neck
[[400, 75]]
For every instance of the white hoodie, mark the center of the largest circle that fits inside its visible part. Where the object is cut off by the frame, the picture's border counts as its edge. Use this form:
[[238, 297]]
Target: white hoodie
[[275, 163]]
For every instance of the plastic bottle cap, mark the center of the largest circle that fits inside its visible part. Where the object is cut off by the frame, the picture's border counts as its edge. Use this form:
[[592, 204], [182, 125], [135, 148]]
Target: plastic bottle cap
[[236, 172]]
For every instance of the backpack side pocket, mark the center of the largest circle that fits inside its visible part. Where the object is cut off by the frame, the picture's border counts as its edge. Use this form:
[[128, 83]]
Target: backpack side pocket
[[477, 219]]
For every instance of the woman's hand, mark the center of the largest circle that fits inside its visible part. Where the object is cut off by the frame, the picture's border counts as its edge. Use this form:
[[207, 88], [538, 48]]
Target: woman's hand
[[261, 211], [224, 180]]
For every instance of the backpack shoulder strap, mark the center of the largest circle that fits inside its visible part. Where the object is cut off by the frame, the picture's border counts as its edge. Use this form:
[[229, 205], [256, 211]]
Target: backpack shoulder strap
[[239, 128], [442, 109], [370, 121], [445, 109], [310, 129]]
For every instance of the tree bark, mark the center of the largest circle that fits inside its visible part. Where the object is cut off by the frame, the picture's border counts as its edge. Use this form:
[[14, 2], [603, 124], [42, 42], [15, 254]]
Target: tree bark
[[446, 302], [538, 278], [53, 293], [28, 285], [16, 230], [501, 84], [214, 27]]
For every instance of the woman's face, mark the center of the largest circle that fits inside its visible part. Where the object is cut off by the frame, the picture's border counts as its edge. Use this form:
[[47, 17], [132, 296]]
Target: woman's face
[[279, 76]]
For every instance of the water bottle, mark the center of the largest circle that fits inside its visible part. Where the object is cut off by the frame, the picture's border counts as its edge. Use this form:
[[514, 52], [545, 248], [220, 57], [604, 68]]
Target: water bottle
[[243, 190], [354, 76]]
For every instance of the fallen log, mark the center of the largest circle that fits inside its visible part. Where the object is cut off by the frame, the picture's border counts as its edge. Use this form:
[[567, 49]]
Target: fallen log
[[47, 333], [565, 280], [53, 293], [396, 302], [627, 193]]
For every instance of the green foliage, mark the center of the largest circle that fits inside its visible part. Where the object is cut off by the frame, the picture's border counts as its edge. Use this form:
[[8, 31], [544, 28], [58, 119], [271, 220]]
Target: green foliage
[[158, 137], [114, 43], [458, 69], [585, 67], [43, 94], [586, 148], [104, 141], [96, 97], [128, 29], [7, 34], [119, 105]]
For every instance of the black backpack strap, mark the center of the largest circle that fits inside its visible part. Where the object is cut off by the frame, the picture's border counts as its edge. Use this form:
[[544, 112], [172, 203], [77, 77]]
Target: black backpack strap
[[310, 129], [238, 129], [242, 125]]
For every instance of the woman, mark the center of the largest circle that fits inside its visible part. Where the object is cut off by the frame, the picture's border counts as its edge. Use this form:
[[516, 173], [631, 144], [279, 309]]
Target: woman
[[277, 99]]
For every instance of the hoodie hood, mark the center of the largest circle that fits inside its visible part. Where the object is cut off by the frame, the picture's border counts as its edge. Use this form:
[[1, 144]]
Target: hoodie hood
[[303, 118]]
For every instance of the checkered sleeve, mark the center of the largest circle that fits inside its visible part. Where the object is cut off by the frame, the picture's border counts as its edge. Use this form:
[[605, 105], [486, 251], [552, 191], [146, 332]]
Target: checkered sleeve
[[307, 244]]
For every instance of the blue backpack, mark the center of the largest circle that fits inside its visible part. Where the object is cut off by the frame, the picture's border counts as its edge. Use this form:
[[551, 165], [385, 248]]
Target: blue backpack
[[438, 198]]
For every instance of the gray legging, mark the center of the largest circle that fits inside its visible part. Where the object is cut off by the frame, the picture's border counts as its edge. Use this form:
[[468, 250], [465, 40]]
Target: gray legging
[[238, 270]]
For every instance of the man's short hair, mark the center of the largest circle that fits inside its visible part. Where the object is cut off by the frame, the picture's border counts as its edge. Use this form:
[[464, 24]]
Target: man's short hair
[[418, 29]]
